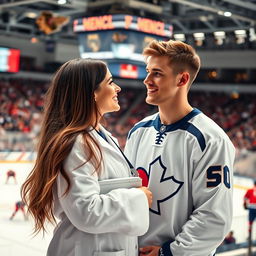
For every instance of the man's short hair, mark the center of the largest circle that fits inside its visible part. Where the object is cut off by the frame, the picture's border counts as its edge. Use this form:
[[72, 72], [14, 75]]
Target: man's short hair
[[182, 57]]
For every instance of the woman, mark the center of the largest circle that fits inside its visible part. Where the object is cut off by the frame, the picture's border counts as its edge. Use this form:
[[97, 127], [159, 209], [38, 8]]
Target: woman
[[75, 152]]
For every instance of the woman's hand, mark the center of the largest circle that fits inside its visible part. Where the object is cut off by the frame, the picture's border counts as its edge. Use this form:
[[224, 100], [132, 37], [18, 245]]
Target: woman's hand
[[148, 193], [150, 250]]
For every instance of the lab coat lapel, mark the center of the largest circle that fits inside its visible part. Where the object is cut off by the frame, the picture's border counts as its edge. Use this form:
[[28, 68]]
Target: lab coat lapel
[[110, 145]]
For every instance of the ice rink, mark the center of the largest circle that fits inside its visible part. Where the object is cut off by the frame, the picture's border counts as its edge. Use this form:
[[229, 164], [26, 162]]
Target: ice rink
[[16, 235]]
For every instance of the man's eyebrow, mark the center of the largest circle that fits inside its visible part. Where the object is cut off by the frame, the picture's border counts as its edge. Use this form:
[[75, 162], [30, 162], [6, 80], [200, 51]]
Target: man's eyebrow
[[109, 78], [155, 69]]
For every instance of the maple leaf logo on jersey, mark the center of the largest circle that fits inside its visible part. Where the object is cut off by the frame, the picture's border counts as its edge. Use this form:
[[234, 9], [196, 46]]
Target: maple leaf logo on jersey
[[143, 175], [162, 191]]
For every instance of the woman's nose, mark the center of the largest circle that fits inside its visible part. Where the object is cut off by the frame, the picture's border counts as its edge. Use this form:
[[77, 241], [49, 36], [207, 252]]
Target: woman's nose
[[118, 88]]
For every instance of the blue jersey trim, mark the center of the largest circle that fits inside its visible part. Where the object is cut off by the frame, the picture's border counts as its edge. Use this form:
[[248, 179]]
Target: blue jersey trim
[[144, 125], [182, 124], [165, 249], [178, 124], [196, 132]]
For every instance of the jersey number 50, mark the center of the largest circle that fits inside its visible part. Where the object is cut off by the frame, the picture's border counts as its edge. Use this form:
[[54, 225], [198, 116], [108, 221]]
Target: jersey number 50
[[216, 174]]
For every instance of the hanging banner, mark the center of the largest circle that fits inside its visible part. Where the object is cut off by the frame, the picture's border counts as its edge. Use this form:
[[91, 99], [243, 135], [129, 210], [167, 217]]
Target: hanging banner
[[122, 21]]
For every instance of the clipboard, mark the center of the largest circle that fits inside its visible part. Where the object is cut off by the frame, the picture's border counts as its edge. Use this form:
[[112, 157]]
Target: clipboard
[[126, 182]]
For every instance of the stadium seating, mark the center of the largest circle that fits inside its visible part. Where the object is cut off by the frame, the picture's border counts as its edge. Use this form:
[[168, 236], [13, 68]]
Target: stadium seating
[[21, 103]]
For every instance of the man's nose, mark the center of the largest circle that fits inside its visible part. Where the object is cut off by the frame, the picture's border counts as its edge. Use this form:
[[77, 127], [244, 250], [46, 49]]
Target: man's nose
[[146, 80]]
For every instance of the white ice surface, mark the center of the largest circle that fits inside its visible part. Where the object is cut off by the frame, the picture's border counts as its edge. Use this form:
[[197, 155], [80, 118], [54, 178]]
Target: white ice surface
[[16, 235]]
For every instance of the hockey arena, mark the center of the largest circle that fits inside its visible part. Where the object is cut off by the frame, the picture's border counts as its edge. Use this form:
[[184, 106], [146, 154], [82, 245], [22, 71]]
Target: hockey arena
[[37, 37]]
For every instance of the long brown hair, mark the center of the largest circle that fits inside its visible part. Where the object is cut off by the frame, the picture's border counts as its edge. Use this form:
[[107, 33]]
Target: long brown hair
[[181, 55], [69, 110]]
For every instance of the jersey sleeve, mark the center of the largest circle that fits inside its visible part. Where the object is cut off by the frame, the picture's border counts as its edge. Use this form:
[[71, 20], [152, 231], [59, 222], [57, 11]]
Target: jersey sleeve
[[247, 195], [121, 210], [212, 187]]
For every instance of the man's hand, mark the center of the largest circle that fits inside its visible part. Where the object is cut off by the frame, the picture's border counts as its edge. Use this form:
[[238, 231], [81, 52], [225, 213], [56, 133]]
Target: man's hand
[[150, 250], [148, 194]]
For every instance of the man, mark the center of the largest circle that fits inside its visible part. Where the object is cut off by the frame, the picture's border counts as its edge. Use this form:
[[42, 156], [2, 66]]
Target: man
[[250, 204], [19, 205], [230, 239], [9, 174], [184, 157]]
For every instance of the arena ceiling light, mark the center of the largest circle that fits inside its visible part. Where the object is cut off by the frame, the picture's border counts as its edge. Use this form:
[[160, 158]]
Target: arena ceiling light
[[252, 34], [62, 2], [219, 9], [223, 13], [219, 37], [31, 15], [199, 38], [240, 32], [240, 36], [180, 37], [227, 14]]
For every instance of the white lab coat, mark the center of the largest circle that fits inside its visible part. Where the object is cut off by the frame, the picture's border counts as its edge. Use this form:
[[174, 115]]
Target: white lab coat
[[94, 224]]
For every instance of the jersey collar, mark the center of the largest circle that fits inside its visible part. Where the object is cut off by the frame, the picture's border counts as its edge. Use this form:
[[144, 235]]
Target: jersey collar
[[177, 125]]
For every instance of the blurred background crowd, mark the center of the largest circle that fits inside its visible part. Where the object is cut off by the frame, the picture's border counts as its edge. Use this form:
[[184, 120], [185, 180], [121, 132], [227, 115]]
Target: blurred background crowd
[[21, 106]]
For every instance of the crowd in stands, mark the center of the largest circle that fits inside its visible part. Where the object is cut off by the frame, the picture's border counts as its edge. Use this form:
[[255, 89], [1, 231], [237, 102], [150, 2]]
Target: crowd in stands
[[21, 103], [233, 112]]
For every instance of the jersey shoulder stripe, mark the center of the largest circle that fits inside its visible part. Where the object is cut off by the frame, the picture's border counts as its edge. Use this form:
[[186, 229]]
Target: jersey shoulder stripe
[[183, 124], [196, 132], [143, 124]]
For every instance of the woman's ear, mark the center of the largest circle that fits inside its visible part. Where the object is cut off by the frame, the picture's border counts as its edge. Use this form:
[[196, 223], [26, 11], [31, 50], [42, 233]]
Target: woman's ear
[[184, 79]]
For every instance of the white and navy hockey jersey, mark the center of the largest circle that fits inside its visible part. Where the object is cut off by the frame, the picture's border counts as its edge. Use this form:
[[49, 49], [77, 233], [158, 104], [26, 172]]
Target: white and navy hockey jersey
[[188, 166]]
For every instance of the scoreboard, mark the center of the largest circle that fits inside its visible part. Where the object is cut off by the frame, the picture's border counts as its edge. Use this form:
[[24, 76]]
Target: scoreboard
[[9, 60], [119, 40]]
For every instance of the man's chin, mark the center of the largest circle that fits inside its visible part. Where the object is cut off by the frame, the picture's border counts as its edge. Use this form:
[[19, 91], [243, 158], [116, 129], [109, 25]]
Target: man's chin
[[151, 101]]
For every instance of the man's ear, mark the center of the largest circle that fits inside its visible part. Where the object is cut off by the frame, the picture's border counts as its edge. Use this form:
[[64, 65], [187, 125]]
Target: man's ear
[[184, 79]]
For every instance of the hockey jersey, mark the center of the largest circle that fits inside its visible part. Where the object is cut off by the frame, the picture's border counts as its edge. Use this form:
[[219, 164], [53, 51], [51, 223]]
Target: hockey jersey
[[188, 166], [250, 198]]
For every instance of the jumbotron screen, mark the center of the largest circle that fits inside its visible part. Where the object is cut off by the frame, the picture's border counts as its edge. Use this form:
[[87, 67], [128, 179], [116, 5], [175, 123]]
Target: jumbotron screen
[[119, 40], [9, 60]]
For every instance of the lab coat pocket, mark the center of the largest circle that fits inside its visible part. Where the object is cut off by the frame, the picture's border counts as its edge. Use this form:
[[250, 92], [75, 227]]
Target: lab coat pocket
[[117, 253]]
